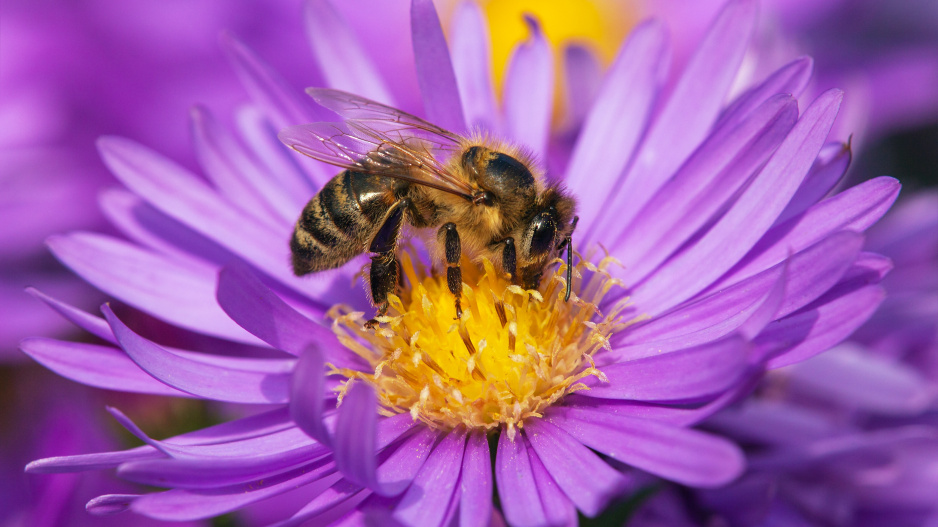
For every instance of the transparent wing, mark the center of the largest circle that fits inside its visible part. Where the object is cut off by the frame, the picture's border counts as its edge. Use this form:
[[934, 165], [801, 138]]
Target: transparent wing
[[380, 140]]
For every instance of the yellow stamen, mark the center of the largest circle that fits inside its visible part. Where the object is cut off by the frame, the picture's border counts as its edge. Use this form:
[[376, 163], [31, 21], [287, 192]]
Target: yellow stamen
[[511, 355]]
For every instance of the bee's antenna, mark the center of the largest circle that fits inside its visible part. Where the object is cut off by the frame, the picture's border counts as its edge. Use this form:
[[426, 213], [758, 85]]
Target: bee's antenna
[[569, 244], [566, 295]]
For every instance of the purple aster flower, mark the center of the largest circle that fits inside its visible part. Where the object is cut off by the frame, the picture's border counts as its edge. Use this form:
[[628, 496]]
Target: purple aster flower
[[848, 437], [724, 253]]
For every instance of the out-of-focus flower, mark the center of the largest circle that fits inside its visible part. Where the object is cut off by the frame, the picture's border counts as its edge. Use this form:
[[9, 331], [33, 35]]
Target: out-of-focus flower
[[732, 260], [70, 72], [849, 437]]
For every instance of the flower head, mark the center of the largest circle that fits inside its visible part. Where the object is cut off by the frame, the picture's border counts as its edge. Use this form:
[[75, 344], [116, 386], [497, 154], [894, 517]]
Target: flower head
[[731, 262]]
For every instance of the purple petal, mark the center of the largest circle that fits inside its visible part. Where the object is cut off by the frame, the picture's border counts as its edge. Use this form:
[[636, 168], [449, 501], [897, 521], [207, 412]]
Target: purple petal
[[852, 377], [178, 293], [829, 169], [685, 456], [398, 470], [236, 174], [182, 196], [354, 445], [475, 506], [110, 504], [747, 220], [702, 186], [803, 335], [854, 209], [85, 462], [307, 395], [772, 423], [558, 509], [688, 115], [258, 310], [583, 79], [689, 375], [278, 163], [529, 91], [340, 55], [587, 480], [282, 104], [97, 326], [441, 102], [99, 366], [184, 504], [472, 64], [790, 78], [198, 378], [427, 500], [521, 503], [328, 506], [618, 117]]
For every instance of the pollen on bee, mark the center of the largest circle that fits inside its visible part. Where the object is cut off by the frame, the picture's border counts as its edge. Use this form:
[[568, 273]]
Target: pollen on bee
[[513, 353]]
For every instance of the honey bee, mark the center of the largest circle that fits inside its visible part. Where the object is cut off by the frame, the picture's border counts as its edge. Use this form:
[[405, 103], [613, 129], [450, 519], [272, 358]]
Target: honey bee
[[485, 198]]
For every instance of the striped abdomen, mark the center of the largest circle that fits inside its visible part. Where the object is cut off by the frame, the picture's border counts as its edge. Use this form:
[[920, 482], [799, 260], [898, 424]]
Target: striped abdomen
[[339, 222]]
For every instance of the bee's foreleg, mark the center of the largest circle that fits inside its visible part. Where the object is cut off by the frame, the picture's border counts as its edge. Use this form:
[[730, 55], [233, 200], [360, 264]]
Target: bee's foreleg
[[384, 275], [453, 251], [510, 258]]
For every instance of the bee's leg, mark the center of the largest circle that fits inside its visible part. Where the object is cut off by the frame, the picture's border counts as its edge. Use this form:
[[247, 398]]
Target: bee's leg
[[383, 278], [453, 252], [510, 258], [384, 275]]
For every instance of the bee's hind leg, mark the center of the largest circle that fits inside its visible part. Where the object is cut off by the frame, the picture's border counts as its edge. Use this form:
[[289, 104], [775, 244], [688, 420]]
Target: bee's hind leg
[[450, 239], [385, 272]]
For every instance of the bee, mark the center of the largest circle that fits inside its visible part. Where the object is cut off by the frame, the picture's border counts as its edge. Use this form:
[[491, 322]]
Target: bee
[[484, 198]]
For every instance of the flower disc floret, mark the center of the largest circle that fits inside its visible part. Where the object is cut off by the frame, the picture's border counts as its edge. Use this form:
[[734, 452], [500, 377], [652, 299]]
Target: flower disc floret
[[512, 354]]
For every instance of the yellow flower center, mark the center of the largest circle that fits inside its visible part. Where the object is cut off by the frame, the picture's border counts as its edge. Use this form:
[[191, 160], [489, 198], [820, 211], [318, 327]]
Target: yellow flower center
[[512, 354]]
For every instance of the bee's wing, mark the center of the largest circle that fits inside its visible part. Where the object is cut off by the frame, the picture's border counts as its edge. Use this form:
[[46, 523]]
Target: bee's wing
[[381, 140]]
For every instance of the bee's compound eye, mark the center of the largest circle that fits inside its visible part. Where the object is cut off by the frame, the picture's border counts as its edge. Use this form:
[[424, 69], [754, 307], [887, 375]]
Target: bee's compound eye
[[542, 234]]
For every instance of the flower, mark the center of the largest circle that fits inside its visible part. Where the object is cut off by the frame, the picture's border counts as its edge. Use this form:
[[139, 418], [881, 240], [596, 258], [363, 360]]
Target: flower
[[733, 262], [848, 437]]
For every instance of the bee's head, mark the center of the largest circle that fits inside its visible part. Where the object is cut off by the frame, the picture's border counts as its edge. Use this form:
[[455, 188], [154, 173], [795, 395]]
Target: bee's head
[[546, 231]]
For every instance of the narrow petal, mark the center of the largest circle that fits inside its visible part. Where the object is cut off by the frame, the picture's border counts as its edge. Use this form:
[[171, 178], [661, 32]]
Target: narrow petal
[[722, 165], [854, 209], [427, 500], [475, 505], [515, 483], [685, 456], [558, 509], [397, 471], [790, 78], [182, 196], [258, 310], [86, 462], [828, 170], [328, 506], [198, 378], [99, 366], [341, 58], [441, 102], [97, 326], [863, 380], [280, 164], [618, 117], [110, 504], [587, 480], [355, 441], [688, 115], [583, 80], [747, 220], [282, 104], [686, 375], [472, 64], [529, 91], [166, 288], [307, 395], [803, 335], [235, 173]]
